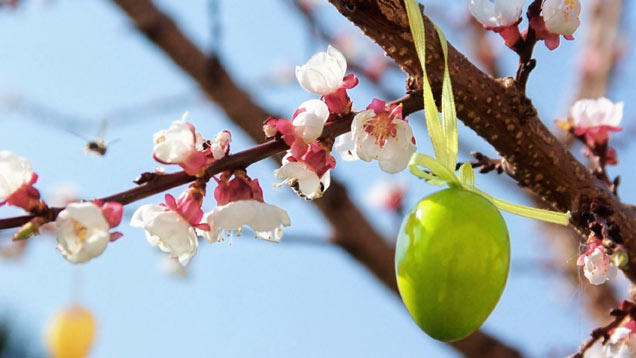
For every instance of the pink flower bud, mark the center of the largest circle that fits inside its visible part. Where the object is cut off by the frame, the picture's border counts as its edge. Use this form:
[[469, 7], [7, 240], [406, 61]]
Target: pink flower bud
[[112, 212]]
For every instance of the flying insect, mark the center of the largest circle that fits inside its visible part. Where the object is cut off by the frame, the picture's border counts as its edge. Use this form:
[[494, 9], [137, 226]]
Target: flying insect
[[96, 146]]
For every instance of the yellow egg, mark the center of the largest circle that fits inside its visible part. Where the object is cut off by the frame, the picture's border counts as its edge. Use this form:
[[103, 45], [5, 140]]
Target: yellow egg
[[70, 333]]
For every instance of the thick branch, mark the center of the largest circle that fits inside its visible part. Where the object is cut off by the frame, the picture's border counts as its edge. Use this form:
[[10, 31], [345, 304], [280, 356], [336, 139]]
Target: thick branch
[[497, 110]]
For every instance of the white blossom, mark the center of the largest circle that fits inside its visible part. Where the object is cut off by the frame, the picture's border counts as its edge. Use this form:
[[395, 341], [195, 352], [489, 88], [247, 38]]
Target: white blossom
[[622, 344], [309, 184], [82, 232], [168, 230], [14, 172], [598, 266], [588, 113], [385, 138], [310, 120], [561, 16], [265, 220], [175, 144], [496, 13], [323, 73]]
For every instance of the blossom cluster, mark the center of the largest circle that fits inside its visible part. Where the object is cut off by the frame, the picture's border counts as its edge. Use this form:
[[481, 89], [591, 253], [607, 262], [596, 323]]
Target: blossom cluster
[[175, 226], [379, 133], [556, 18]]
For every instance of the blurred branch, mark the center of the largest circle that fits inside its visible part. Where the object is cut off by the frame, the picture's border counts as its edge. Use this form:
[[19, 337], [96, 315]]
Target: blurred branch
[[214, 19], [480, 45], [52, 116], [602, 47], [360, 240]]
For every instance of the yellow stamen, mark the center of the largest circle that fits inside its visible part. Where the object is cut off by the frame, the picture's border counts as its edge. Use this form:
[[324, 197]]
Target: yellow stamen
[[80, 230]]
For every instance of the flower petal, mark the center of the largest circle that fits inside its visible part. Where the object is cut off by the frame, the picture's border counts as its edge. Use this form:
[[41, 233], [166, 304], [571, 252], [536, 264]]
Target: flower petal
[[323, 73], [82, 232], [561, 16], [309, 123], [167, 230], [264, 219], [14, 172], [346, 147], [298, 173], [176, 144]]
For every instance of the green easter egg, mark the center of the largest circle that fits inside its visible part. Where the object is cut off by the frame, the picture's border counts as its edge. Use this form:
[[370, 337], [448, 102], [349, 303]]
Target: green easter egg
[[451, 262]]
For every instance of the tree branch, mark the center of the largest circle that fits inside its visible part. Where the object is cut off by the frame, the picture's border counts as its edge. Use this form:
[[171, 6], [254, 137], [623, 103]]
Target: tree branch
[[499, 112], [152, 183], [526, 62]]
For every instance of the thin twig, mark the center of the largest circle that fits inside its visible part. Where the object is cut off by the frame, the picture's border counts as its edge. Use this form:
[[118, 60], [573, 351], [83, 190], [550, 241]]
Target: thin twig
[[626, 308], [526, 62], [151, 184], [486, 164], [159, 183]]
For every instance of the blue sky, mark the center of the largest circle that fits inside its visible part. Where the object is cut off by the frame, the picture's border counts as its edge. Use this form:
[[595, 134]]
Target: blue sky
[[252, 298]]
